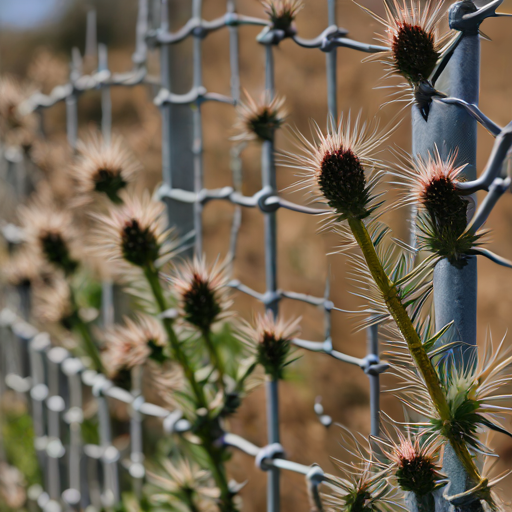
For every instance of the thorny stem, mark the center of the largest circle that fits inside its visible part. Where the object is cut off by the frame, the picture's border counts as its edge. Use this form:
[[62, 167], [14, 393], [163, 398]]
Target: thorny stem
[[214, 355], [214, 453], [398, 312]]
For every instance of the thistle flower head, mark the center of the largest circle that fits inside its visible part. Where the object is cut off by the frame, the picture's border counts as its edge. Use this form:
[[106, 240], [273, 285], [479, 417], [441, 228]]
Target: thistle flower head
[[202, 292], [50, 231], [443, 211], [413, 460], [133, 232], [259, 120], [363, 487], [339, 167], [270, 341], [103, 168], [16, 129], [25, 268], [411, 38], [133, 343], [183, 482], [282, 13]]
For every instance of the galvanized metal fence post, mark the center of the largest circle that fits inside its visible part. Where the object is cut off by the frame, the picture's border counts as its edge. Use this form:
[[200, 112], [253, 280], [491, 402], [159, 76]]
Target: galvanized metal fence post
[[450, 128]]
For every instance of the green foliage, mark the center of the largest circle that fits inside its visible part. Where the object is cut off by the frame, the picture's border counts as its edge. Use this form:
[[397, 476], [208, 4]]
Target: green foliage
[[18, 440]]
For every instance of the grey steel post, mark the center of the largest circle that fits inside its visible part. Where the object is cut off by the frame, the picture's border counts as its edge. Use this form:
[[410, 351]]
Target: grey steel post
[[72, 99], [56, 406], [137, 471], [331, 67], [74, 418], [236, 160], [110, 455], [452, 128], [372, 334], [268, 178], [197, 125]]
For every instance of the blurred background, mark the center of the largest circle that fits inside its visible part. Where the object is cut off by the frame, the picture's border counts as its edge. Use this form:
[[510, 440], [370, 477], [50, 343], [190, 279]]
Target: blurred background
[[36, 37]]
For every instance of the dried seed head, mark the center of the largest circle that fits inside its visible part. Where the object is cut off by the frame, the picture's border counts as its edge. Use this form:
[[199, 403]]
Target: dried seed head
[[133, 232], [103, 168], [259, 120], [411, 35], [16, 129], [339, 167], [133, 344], [270, 341], [282, 13], [51, 233], [202, 292]]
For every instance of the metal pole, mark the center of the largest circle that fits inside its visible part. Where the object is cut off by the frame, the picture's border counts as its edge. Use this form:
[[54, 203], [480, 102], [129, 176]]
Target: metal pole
[[268, 178], [331, 67], [450, 128], [197, 126], [137, 456]]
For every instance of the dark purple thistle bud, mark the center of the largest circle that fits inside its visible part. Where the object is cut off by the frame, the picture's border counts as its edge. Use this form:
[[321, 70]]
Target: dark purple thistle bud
[[342, 181], [55, 249], [139, 244], [414, 52]]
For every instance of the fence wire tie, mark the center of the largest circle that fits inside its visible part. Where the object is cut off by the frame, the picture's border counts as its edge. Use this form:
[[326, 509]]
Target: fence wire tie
[[269, 452]]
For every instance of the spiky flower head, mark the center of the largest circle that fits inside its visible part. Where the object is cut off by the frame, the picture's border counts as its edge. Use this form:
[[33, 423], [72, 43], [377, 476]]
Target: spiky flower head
[[411, 38], [25, 268], [202, 292], [16, 129], [102, 167], [270, 341], [443, 210], [339, 167], [184, 486], [259, 120], [363, 486], [282, 13], [52, 303], [133, 343], [413, 460], [134, 232], [51, 232]]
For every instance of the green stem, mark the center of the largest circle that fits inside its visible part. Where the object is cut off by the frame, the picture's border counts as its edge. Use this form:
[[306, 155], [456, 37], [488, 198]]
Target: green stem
[[399, 313], [214, 356], [152, 277], [82, 328], [214, 453]]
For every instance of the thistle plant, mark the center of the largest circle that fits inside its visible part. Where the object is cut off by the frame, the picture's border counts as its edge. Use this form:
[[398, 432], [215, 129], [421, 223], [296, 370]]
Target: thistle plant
[[259, 120], [282, 13], [104, 168], [397, 288]]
